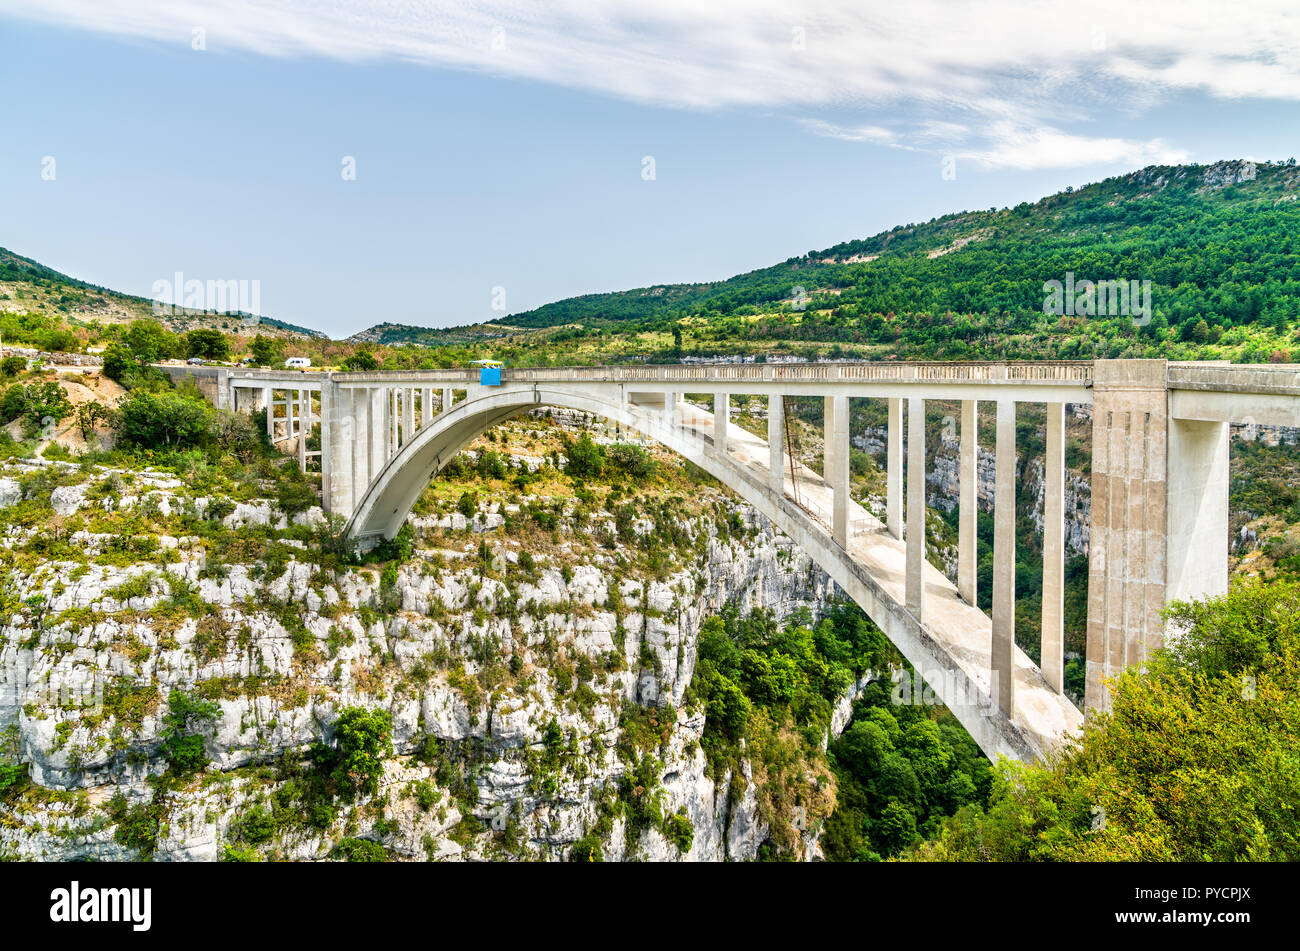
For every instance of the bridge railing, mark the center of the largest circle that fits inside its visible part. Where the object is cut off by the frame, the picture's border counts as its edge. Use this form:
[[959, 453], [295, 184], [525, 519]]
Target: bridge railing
[[881, 371], [1280, 378]]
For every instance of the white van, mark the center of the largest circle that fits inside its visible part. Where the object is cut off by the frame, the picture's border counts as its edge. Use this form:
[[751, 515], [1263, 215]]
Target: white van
[[297, 363]]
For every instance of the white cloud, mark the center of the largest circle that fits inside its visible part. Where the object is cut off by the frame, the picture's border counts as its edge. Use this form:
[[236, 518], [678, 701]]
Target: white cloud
[[1032, 64], [1009, 146], [859, 133]]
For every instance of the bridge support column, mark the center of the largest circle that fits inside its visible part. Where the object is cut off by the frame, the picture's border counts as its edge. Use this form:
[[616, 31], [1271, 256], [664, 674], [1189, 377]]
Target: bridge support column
[[338, 423], [1052, 660], [426, 406], [894, 469], [408, 414], [670, 409], [360, 448], [838, 468], [915, 583], [776, 443], [446, 398], [304, 426], [268, 400], [1198, 509], [829, 445], [394, 417], [377, 429], [1004, 559], [328, 391], [1127, 543], [967, 500], [721, 410]]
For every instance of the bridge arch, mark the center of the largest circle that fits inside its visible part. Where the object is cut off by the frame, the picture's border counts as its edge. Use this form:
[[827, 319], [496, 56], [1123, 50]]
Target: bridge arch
[[962, 683]]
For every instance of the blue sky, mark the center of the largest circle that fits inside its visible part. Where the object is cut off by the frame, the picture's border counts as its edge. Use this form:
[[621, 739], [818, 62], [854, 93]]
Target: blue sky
[[502, 145]]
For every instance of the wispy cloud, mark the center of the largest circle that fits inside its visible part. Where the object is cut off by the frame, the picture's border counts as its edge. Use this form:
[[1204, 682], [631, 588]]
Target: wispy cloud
[[978, 62], [1009, 146], [859, 133]]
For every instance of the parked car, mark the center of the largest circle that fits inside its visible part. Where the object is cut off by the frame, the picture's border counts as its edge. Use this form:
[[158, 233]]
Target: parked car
[[297, 363], [195, 361]]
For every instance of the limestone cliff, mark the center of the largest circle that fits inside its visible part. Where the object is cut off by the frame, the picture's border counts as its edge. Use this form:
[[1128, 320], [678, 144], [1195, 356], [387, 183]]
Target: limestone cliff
[[473, 662]]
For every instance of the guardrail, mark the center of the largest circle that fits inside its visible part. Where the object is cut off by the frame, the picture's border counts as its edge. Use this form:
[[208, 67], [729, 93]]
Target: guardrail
[[885, 372], [1265, 378]]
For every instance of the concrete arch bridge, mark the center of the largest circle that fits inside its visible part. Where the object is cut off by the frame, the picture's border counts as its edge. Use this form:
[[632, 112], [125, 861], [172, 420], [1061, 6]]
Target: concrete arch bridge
[[1159, 527]]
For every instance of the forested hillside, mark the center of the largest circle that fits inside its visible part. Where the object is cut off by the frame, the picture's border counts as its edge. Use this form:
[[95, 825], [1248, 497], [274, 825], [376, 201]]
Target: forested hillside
[[1217, 243]]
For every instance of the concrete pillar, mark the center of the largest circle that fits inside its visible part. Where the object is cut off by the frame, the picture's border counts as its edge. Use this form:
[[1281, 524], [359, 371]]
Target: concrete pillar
[[426, 406], [304, 426], [967, 502], [268, 400], [1198, 510], [446, 398], [1052, 658], [360, 449], [377, 429], [915, 584], [408, 415], [339, 423], [1127, 541], [394, 420], [328, 390], [721, 409], [1004, 559], [776, 443], [894, 469], [829, 446], [670, 409], [839, 439]]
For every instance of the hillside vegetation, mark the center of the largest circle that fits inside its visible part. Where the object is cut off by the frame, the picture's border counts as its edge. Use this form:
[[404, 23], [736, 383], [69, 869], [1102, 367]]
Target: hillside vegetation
[[1218, 244]]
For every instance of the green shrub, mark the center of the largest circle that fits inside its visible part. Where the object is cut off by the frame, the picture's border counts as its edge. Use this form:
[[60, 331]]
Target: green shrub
[[358, 850], [256, 826], [167, 420], [586, 459], [631, 460], [182, 744], [586, 849], [678, 830], [364, 739]]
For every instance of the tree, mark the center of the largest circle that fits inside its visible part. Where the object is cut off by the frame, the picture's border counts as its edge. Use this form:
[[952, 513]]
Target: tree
[[164, 420], [149, 341], [119, 362], [207, 344], [38, 405], [362, 361], [267, 351], [1193, 761]]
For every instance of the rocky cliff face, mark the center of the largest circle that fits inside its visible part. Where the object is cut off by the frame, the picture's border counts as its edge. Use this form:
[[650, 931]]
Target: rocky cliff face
[[484, 664]]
